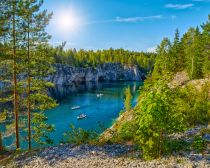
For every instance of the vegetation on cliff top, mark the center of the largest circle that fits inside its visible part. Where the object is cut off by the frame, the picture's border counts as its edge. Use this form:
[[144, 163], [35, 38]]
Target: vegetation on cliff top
[[163, 108]]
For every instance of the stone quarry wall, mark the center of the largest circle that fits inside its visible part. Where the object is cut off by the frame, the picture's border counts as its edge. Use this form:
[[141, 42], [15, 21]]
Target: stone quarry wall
[[65, 75]]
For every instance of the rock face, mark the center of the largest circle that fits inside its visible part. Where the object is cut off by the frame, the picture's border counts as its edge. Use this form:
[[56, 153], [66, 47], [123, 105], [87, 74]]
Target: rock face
[[65, 75]]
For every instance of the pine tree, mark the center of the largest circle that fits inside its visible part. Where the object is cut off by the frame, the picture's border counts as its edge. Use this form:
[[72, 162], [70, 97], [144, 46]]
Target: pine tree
[[34, 23], [177, 53], [10, 40], [206, 47], [128, 99], [164, 59], [193, 53]]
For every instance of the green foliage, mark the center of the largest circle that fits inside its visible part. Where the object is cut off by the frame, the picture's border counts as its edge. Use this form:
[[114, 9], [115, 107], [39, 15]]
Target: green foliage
[[41, 130], [177, 53], [128, 99], [199, 144], [92, 58], [25, 50], [42, 102], [3, 116], [193, 48], [175, 145], [195, 104], [79, 136], [161, 110], [206, 44], [191, 53], [156, 118], [164, 60], [126, 131]]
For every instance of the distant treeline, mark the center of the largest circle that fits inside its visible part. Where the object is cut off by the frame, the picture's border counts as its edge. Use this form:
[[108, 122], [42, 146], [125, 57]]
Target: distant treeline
[[87, 58]]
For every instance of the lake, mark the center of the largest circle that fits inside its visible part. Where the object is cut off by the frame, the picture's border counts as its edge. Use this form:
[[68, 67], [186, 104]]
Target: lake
[[101, 110]]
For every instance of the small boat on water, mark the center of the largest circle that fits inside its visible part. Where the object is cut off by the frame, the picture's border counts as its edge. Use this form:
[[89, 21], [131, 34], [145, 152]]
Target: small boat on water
[[75, 107], [81, 116], [99, 95]]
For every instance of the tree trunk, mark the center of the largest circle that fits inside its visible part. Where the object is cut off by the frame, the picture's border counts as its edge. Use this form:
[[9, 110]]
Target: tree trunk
[[29, 88], [15, 76], [192, 67], [1, 144]]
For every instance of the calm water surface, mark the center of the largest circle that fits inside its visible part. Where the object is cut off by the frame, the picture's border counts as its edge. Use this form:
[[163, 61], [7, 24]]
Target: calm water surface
[[99, 110]]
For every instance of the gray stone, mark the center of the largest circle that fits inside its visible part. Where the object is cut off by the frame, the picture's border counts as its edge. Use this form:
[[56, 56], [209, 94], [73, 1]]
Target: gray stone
[[66, 75]]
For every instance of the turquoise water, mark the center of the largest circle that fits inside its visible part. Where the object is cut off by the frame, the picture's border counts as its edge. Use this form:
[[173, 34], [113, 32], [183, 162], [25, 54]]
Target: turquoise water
[[99, 110]]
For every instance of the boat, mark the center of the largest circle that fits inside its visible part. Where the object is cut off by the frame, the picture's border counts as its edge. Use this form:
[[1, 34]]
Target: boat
[[75, 107], [99, 95], [81, 116]]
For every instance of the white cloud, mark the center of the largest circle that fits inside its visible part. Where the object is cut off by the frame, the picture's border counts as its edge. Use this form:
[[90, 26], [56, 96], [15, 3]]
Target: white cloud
[[131, 19], [179, 6], [136, 19], [152, 49]]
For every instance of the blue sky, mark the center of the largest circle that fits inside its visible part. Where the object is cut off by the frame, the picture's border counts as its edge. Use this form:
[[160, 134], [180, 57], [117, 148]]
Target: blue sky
[[129, 24]]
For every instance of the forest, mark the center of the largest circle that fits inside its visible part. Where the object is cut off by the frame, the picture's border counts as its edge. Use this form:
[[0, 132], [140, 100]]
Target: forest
[[164, 109], [92, 58], [27, 58]]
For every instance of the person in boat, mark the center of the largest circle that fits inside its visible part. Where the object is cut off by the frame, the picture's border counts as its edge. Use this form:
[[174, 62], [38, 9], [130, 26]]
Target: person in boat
[[81, 116], [99, 95]]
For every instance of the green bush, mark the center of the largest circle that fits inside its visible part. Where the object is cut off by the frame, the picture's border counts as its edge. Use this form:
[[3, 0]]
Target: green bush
[[176, 145], [127, 131], [79, 136], [128, 99], [156, 118], [197, 105], [199, 144]]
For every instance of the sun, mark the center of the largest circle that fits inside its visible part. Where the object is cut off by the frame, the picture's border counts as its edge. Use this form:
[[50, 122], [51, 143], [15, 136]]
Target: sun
[[67, 21]]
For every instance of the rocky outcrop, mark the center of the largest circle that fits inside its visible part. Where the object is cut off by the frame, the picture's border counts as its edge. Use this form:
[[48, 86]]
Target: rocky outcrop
[[106, 156], [181, 79], [65, 75]]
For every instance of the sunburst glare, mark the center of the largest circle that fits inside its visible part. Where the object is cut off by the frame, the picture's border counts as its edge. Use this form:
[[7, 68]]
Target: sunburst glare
[[67, 21]]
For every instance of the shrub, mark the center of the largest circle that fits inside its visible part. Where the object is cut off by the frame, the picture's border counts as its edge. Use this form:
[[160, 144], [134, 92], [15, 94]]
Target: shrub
[[176, 145], [127, 131], [79, 136], [156, 118], [196, 103], [199, 144], [128, 99]]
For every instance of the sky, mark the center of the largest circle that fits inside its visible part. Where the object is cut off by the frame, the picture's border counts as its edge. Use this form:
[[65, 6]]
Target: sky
[[137, 25]]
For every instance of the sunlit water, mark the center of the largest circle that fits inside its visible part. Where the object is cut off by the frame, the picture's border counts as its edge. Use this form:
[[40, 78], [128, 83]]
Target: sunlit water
[[100, 111]]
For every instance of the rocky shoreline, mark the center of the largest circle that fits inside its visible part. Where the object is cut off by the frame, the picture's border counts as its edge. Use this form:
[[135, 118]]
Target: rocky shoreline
[[107, 156]]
